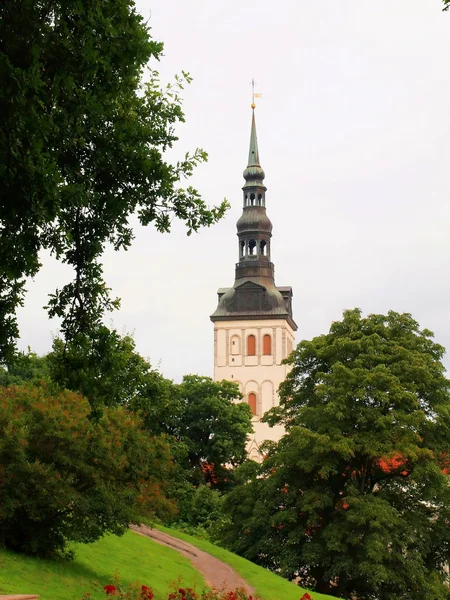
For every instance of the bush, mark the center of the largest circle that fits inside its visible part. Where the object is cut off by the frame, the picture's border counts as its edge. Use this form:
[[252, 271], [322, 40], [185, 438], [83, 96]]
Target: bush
[[200, 511], [136, 591], [64, 477]]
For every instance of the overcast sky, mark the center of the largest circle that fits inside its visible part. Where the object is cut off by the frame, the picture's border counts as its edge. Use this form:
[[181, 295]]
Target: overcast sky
[[354, 137]]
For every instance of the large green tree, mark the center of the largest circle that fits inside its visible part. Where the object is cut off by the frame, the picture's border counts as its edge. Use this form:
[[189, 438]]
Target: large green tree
[[355, 498], [82, 144], [206, 417], [64, 477], [213, 424], [103, 366]]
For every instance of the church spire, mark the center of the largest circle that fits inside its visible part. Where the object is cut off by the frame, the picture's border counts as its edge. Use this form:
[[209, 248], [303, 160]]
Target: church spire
[[254, 228], [254, 293], [253, 174], [253, 154]]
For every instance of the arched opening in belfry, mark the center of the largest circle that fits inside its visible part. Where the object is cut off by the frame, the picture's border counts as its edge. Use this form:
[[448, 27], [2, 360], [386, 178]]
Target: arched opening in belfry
[[267, 345], [252, 247], [251, 345], [260, 200], [252, 402], [242, 249], [263, 248], [246, 200], [252, 199]]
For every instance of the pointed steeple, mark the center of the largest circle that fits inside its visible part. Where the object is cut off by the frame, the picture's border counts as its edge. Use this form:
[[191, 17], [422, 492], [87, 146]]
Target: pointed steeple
[[254, 293], [253, 154], [253, 174]]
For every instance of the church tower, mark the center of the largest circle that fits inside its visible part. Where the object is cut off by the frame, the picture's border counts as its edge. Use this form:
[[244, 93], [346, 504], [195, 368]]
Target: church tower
[[253, 323]]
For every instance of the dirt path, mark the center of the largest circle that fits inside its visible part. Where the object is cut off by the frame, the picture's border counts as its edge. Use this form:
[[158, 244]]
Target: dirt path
[[215, 572]]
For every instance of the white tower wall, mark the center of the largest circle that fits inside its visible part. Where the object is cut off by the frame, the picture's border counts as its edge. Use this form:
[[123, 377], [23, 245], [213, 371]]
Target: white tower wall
[[260, 374]]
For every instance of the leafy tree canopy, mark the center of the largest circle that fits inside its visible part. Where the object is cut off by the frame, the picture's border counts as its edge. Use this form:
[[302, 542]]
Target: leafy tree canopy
[[205, 418], [24, 367], [208, 428], [212, 424], [355, 498], [82, 148], [64, 477], [103, 366]]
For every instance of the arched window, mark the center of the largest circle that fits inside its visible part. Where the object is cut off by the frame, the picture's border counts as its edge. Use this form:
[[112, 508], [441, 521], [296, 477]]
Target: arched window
[[251, 345], [252, 247], [267, 345], [263, 247], [252, 402]]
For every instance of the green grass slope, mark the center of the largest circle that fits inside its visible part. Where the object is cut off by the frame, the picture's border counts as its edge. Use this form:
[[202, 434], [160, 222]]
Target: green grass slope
[[132, 557], [267, 585]]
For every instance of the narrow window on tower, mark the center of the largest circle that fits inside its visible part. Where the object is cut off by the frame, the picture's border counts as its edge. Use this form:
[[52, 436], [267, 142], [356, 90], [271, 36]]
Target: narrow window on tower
[[252, 199], [251, 345], [252, 402], [260, 203], [252, 247], [242, 249], [263, 248], [235, 345], [267, 345]]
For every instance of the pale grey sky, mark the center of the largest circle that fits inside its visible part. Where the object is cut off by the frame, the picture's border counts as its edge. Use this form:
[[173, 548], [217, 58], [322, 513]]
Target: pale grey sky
[[354, 134]]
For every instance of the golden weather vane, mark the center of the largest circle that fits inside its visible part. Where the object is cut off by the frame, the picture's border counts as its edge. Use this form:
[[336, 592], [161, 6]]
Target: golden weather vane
[[254, 95]]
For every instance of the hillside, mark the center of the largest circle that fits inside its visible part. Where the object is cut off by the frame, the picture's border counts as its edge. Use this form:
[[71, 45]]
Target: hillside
[[267, 585], [132, 557]]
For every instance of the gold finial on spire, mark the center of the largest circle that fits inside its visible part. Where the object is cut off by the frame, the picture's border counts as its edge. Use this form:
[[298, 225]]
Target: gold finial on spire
[[253, 105]]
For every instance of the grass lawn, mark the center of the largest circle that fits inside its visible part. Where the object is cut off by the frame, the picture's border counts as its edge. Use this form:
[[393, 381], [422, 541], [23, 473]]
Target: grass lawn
[[268, 586], [132, 557]]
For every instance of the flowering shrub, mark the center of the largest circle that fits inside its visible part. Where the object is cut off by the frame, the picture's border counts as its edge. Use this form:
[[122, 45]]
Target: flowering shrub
[[137, 591], [147, 592], [134, 591]]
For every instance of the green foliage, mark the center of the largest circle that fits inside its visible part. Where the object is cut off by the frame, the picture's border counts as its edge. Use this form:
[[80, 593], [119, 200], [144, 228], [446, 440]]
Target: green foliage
[[200, 511], [81, 150], [209, 427], [103, 366], [64, 477], [446, 4], [356, 492], [23, 367], [131, 556], [211, 424]]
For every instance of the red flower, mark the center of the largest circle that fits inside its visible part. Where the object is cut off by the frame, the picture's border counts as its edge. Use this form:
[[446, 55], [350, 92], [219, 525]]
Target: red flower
[[146, 593], [110, 590], [306, 597]]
